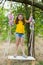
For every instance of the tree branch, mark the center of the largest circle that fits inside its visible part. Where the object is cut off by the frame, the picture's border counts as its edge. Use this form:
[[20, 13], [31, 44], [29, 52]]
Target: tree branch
[[40, 6]]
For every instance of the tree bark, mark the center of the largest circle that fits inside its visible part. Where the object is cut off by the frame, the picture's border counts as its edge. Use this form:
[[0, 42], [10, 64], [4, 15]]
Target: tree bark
[[33, 44], [27, 28]]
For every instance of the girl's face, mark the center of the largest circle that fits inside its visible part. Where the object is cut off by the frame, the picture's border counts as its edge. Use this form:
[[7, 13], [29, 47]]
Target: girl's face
[[20, 17]]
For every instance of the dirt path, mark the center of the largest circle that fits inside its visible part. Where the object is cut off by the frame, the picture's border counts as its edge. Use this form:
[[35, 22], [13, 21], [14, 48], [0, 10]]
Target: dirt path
[[39, 48], [6, 49]]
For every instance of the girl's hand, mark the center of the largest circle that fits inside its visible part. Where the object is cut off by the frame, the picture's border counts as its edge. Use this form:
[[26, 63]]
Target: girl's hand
[[27, 21]]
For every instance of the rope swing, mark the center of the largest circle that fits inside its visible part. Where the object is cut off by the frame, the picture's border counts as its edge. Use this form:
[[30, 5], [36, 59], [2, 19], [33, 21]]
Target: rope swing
[[31, 29], [10, 17]]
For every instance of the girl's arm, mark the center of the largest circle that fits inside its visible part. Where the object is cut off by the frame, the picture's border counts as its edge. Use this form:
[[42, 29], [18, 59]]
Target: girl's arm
[[14, 21], [29, 20]]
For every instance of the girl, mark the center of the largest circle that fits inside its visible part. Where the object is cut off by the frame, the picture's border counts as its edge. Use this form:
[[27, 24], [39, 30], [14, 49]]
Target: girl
[[20, 21]]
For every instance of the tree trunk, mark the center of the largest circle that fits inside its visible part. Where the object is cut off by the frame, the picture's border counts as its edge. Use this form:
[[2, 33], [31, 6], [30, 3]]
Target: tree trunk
[[27, 29], [33, 46]]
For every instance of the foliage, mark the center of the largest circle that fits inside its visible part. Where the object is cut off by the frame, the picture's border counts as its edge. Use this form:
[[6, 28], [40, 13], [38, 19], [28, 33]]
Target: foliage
[[40, 63], [39, 22], [4, 28]]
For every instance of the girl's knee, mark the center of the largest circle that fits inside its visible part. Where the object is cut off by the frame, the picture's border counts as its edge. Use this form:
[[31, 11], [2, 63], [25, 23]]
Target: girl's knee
[[22, 45], [17, 44]]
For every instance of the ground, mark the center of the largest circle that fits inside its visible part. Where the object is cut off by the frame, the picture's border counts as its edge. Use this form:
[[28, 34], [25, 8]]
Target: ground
[[39, 48], [6, 48]]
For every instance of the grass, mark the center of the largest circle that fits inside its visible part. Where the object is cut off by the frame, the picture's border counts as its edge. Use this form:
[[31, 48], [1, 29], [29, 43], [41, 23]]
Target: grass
[[40, 63], [28, 63], [25, 63]]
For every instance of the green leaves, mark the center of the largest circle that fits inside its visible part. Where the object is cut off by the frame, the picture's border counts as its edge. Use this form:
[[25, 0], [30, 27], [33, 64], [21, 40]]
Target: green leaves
[[39, 22], [21, 8]]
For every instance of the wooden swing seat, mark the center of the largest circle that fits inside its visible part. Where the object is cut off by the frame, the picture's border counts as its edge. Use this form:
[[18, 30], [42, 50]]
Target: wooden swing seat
[[21, 58]]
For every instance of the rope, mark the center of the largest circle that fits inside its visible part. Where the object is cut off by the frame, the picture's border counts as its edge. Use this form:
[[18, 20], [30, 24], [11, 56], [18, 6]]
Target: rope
[[9, 33], [10, 4], [32, 31], [32, 7]]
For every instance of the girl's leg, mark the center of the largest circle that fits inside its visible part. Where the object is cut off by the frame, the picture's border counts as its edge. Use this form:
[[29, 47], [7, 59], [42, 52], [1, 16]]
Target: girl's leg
[[22, 45], [17, 44]]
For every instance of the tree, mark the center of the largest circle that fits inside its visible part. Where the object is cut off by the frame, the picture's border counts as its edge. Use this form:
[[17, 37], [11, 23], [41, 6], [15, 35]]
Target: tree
[[38, 5], [42, 1], [27, 28]]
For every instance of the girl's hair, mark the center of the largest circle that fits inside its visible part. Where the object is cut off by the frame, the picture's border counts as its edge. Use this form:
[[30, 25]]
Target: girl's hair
[[23, 20]]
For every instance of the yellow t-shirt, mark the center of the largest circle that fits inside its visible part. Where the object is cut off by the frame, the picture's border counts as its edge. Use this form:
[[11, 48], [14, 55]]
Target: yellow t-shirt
[[20, 27]]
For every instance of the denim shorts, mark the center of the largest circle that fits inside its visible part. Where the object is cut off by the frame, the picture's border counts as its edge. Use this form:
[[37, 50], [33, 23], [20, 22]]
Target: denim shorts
[[20, 35]]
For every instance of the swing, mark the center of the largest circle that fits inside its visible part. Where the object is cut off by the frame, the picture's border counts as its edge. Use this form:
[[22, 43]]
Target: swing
[[32, 31], [21, 58]]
